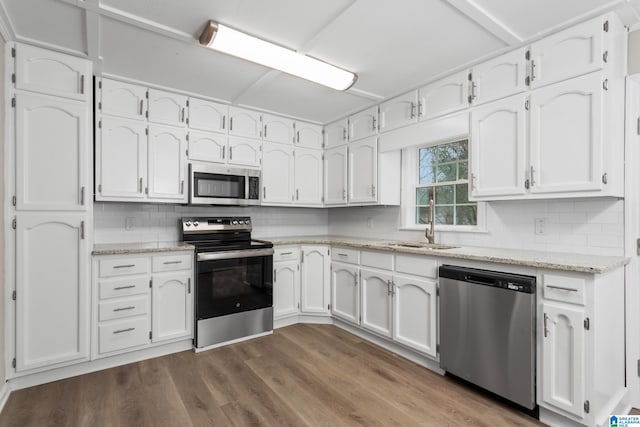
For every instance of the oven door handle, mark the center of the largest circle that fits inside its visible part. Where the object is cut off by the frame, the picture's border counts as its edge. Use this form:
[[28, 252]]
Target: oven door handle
[[247, 253]]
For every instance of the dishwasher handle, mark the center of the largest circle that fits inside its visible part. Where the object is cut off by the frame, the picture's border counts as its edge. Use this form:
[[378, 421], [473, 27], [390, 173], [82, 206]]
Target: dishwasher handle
[[480, 280]]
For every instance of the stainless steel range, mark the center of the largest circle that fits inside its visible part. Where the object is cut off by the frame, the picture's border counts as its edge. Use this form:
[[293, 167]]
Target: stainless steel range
[[234, 279]]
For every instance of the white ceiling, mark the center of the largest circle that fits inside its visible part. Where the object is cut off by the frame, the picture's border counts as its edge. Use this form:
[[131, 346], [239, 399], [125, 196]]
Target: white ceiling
[[394, 46]]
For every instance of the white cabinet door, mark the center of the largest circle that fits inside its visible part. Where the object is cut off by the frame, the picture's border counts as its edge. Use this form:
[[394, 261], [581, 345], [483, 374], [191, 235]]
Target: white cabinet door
[[376, 301], [245, 123], [336, 133], [399, 111], [286, 289], [53, 73], [167, 162], [277, 129], [277, 174], [309, 135], [363, 171], [244, 152], [335, 176], [52, 289], [123, 99], [345, 292], [315, 291], [563, 358], [52, 153], [498, 78], [207, 116], [363, 124], [569, 53], [308, 176], [171, 306], [444, 96], [498, 148], [121, 159], [167, 108], [566, 136], [207, 147], [415, 316]]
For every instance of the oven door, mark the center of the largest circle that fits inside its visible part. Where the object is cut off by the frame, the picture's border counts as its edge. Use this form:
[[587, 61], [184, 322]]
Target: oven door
[[216, 185], [233, 282]]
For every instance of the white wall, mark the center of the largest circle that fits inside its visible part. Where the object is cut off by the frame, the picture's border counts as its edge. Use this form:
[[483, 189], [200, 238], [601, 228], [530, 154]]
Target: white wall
[[160, 222], [591, 226]]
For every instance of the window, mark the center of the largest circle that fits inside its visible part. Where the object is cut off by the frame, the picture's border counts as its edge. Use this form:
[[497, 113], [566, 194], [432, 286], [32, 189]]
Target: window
[[439, 172]]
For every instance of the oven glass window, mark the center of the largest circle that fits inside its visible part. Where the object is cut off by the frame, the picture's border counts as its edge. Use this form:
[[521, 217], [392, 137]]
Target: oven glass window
[[233, 285], [219, 186]]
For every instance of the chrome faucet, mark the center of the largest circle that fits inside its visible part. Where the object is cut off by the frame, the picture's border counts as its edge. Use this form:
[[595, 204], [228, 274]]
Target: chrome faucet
[[429, 232]]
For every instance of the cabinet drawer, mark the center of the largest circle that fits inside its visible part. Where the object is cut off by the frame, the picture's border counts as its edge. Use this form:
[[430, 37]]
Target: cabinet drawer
[[380, 260], [123, 266], [123, 334], [352, 256], [172, 262], [417, 265], [126, 307], [286, 253], [564, 288], [122, 287]]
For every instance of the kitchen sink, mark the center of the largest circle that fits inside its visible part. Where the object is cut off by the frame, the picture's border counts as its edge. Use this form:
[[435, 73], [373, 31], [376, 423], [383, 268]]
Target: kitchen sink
[[420, 245]]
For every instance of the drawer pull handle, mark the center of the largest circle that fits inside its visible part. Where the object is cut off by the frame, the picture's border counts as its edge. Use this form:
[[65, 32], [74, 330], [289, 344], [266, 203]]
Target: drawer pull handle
[[124, 266], [561, 288], [286, 253], [172, 262], [124, 308], [119, 331], [343, 255], [119, 288]]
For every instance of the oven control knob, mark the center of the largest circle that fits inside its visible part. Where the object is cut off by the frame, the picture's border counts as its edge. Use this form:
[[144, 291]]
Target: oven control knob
[[243, 222], [234, 222], [195, 223], [188, 223]]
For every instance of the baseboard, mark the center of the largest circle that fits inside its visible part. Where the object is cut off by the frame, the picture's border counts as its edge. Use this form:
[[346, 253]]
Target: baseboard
[[302, 318], [5, 392]]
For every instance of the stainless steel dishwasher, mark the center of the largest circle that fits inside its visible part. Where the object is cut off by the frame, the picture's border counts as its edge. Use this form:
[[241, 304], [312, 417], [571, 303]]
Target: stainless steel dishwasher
[[487, 330]]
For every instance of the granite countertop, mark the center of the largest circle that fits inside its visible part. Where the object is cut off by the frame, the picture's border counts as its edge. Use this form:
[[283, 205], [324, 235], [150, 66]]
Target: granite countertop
[[550, 260], [140, 248]]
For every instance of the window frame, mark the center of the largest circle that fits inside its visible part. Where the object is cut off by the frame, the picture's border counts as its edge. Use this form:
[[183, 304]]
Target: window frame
[[410, 182]]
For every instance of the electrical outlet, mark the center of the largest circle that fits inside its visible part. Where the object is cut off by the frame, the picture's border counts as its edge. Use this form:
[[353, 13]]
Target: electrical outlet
[[129, 223], [540, 226]]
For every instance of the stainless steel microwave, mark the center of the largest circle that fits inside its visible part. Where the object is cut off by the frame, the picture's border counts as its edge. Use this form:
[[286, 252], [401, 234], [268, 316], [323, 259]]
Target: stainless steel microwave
[[221, 185]]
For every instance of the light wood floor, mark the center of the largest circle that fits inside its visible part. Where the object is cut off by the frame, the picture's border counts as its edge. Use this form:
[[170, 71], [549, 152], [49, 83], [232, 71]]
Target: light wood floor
[[316, 375]]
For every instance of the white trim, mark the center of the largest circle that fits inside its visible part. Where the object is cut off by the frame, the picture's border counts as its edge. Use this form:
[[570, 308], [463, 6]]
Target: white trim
[[5, 392], [487, 21], [237, 340], [7, 30]]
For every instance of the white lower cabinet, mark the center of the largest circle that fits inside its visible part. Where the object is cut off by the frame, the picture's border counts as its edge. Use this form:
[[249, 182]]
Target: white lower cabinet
[[286, 289], [377, 305], [345, 292], [314, 290], [141, 300]]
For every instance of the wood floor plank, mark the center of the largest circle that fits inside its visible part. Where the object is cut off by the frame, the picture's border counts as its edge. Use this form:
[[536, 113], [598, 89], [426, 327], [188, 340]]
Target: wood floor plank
[[302, 375]]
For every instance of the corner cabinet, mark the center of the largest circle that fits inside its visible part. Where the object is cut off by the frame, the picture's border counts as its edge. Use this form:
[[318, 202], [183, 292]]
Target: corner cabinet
[[286, 288], [335, 176], [345, 292], [314, 280]]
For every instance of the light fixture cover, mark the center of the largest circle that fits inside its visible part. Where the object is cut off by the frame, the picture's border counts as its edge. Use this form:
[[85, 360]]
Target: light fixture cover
[[227, 40]]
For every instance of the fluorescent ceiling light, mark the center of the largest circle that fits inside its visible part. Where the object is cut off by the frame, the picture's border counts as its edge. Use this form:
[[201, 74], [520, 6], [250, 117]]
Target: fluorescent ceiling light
[[233, 42]]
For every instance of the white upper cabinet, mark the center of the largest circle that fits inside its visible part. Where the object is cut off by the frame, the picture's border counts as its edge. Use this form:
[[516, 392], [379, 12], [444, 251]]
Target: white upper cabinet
[[121, 159], [566, 146], [345, 292], [286, 289], [335, 176], [52, 153], [308, 176], [363, 171], [277, 174], [207, 116], [172, 306], [207, 147], [167, 108], [167, 162], [309, 135], [499, 77], [399, 111], [336, 133], [444, 96], [569, 53], [277, 129], [244, 123], [123, 99], [363, 124], [45, 71], [499, 136], [315, 291], [52, 284], [377, 304], [244, 152]]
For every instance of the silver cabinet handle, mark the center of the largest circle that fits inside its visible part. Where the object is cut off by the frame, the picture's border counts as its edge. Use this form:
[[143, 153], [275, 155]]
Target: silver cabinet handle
[[141, 106], [189, 285], [344, 134], [533, 181], [344, 194], [82, 84], [265, 131], [562, 288], [140, 185], [172, 262], [413, 110], [82, 195], [182, 187], [119, 331], [388, 287], [230, 153], [119, 288], [182, 115], [473, 94], [298, 137], [533, 70], [339, 254], [231, 123], [373, 190], [420, 109], [546, 330], [124, 308], [223, 121], [297, 194], [264, 192], [82, 230], [124, 266], [286, 253], [374, 124], [275, 275], [224, 148]]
